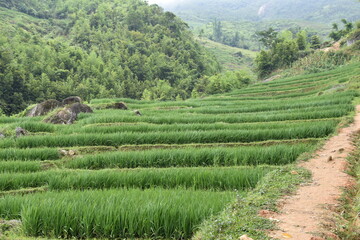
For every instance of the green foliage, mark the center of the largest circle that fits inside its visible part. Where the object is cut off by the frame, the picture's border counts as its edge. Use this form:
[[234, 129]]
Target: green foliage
[[315, 42], [12, 154], [252, 155], [337, 34], [96, 49], [114, 213], [215, 178]]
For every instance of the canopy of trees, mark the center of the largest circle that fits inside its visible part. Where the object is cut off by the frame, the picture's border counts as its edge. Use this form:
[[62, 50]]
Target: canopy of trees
[[95, 48]]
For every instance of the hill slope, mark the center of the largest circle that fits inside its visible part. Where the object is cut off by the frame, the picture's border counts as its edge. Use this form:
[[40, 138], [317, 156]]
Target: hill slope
[[162, 174], [114, 48], [323, 11]]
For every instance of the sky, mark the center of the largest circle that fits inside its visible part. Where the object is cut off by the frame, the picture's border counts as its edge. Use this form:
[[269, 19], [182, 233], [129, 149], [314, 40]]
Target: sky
[[166, 3]]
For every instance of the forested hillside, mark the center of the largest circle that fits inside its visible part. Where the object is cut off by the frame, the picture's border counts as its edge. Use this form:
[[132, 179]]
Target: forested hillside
[[321, 11], [95, 48], [238, 20]]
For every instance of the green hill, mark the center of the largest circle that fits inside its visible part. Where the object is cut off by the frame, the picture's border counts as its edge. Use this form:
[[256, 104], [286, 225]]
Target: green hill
[[114, 48], [113, 174], [321, 11], [230, 58], [246, 16]]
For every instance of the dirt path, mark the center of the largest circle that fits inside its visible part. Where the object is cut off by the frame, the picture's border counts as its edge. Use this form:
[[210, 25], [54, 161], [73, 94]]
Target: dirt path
[[303, 215]]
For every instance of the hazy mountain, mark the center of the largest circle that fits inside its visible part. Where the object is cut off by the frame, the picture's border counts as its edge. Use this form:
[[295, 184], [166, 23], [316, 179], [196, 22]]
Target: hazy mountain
[[323, 11]]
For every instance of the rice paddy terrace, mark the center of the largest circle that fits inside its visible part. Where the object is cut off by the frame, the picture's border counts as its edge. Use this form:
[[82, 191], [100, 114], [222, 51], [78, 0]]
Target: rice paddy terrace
[[113, 174]]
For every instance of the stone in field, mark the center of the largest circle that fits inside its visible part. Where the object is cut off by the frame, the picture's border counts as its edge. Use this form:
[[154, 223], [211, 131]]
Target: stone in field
[[44, 108]]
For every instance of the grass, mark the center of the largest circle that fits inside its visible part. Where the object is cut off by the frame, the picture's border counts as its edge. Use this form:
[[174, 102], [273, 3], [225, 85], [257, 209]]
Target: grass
[[347, 222], [184, 137], [114, 213], [12, 154], [214, 178], [172, 172], [242, 217], [19, 166], [145, 127], [252, 155]]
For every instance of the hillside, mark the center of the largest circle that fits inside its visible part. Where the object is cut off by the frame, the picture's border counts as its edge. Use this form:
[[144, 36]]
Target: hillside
[[113, 48], [245, 17], [321, 11], [113, 174], [230, 58]]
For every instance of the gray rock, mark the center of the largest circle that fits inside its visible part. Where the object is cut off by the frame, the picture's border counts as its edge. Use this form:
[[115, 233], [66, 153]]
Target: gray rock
[[118, 105], [137, 112], [20, 132], [72, 100], [68, 115], [2, 135], [44, 108]]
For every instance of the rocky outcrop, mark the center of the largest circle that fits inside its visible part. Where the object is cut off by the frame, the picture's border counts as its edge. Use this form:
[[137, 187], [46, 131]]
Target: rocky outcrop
[[71, 100], [69, 114], [44, 108], [20, 132], [118, 105]]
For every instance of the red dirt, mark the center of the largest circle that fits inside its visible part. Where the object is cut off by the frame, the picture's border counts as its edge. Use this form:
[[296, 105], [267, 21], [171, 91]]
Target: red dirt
[[304, 215], [334, 47]]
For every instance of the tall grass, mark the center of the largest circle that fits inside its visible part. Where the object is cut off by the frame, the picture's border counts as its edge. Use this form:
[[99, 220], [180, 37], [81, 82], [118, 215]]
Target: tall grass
[[145, 127], [19, 166], [223, 136], [12, 154], [114, 214], [253, 155], [215, 178], [234, 118]]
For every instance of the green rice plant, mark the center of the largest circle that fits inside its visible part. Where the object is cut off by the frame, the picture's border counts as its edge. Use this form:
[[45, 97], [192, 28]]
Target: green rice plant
[[223, 136], [37, 126], [115, 214], [193, 157], [19, 166], [12, 181], [324, 105], [228, 118], [215, 178], [144, 127], [12, 154]]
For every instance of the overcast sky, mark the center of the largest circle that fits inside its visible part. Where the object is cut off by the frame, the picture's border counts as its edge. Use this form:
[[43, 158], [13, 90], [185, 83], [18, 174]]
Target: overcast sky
[[166, 3]]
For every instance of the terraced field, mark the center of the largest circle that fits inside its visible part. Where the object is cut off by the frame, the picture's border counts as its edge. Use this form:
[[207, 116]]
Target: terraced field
[[113, 174]]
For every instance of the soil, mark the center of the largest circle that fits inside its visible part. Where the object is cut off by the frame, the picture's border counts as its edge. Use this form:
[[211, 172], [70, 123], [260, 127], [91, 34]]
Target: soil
[[334, 47], [307, 215]]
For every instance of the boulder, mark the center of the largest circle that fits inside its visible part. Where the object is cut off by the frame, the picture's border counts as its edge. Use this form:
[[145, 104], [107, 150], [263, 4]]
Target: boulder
[[80, 108], [69, 114], [20, 132], [71, 100], [137, 112], [118, 105], [44, 108], [2, 135]]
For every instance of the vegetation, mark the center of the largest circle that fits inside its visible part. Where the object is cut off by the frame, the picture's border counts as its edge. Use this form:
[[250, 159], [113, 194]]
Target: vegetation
[[116, 48], [347, 220], [285, 50], [126, 214], [174, 171], [276, 155]]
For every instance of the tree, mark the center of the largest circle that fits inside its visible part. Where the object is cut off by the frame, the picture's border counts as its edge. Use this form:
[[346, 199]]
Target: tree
[[264, 63], [217, 31], [302, 40], [267, 37], [315, 42]]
